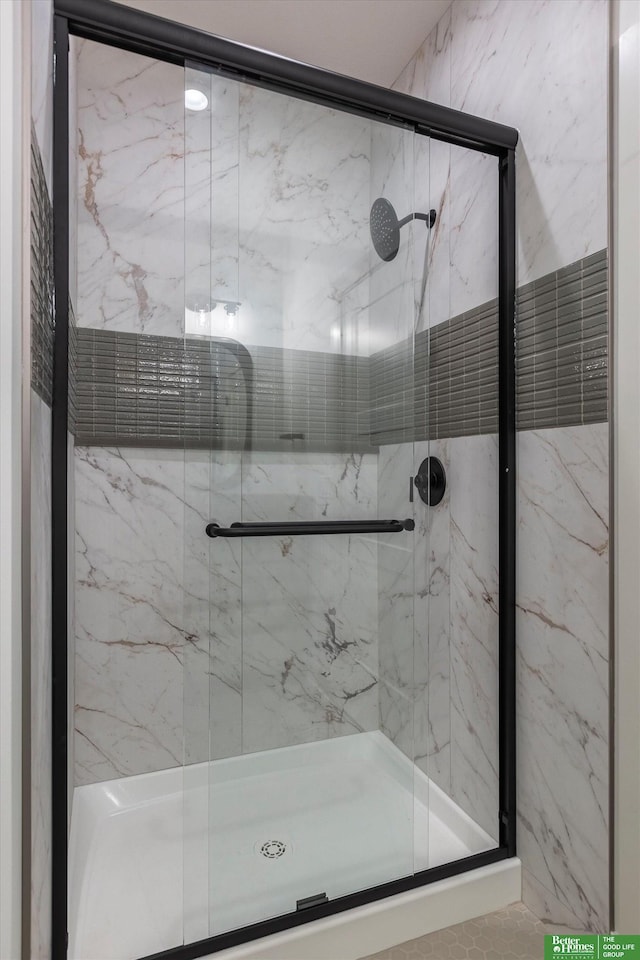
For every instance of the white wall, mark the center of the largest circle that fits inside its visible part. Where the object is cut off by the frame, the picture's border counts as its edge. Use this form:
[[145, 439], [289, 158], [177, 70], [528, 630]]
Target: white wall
[[625, 169], [13, 89]]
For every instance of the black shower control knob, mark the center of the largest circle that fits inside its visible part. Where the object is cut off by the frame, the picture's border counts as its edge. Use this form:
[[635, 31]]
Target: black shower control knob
[[431, 481]]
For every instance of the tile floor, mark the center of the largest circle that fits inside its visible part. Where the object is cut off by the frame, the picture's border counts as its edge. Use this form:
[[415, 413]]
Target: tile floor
[[511, 934]]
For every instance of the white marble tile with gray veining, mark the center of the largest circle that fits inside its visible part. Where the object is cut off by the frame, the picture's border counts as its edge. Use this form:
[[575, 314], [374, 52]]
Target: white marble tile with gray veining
[[212, 608], [501, 51], [432, 271], [252, 645], [433, 626], [472, 479], [438, 677], [309, 603], [546, 906], [483, 58], [563, 653], [563, 495], [428, 76], [131, 146], [473, 238], [395, 304], [212, 171], [130, 632], [304, 218], [396, 601], [392, 309]]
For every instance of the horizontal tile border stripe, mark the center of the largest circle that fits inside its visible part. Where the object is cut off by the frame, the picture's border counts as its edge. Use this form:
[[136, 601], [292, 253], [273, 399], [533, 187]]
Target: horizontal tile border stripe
[[561, 363], [142, 390], [41, 242]]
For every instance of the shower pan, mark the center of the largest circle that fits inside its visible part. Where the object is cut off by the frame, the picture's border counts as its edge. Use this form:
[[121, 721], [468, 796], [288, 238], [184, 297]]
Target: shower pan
[[284, 444]]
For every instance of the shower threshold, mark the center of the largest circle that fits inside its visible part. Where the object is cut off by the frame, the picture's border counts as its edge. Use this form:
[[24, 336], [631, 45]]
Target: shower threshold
[[183, 854]]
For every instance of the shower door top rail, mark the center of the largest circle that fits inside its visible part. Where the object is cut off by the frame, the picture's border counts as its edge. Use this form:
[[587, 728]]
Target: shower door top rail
[[154, 36], [299, 528]]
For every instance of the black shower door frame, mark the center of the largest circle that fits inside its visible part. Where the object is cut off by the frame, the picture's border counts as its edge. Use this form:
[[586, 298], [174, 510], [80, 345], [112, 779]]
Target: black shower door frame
[[128, 29]]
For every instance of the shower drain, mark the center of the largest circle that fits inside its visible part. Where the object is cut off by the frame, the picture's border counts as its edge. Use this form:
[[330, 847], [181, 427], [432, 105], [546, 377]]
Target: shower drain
[[273, 849]]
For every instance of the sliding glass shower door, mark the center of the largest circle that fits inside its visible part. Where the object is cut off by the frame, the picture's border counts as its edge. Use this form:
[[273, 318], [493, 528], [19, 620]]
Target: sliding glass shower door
[[287, 595], [299, 693], [291, 625]]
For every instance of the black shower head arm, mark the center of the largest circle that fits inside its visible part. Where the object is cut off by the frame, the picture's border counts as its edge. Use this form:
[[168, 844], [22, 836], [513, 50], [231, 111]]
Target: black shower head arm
[[429, 217]]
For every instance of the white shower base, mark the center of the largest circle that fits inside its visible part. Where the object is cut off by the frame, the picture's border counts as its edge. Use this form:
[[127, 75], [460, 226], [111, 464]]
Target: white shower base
[[175, 856]]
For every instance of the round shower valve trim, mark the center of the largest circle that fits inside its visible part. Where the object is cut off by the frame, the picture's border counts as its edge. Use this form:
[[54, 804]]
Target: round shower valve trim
[[431, 481]]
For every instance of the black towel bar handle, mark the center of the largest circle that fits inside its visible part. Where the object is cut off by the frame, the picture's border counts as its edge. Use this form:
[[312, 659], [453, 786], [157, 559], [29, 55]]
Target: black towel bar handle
[[299, 528]]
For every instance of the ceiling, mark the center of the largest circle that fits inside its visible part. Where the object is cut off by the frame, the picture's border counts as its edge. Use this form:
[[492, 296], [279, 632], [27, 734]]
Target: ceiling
[[369, 39]]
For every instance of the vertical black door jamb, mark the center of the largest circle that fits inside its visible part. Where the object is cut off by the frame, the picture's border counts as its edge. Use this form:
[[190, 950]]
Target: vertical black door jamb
[[60, 404], [507, 500]]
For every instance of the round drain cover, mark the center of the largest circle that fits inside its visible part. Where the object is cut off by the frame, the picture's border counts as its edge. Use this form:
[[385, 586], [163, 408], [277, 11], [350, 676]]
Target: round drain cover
[[272, 849]]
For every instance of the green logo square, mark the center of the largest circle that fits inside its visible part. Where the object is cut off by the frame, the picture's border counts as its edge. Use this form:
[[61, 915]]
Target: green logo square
[[607, 947]]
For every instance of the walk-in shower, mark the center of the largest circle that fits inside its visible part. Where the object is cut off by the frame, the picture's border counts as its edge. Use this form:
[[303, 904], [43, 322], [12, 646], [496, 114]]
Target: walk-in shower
[[283, 491]]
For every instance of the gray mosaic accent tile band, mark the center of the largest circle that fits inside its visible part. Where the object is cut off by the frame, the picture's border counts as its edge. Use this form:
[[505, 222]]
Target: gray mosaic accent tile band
[[453, 380], [135, 390], [73, 371], [41, 279], [561, 363], [140, 390], [562, 346]]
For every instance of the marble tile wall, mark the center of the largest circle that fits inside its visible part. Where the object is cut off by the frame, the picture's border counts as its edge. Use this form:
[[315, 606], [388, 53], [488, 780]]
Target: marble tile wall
[[525, 63], [446, 671], [563, 664], [275, 213], [130, 238], [278, 646], [534, 64], [304, 221], [414, 616], [433, 718], [277, 201], [213, 658], [128, 611], [540, 66], [473, 584], [178, 635], [398, 683], [310, 644]]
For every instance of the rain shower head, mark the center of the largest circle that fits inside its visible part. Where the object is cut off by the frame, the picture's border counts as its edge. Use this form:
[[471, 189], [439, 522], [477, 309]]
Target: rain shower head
[[385, 227]]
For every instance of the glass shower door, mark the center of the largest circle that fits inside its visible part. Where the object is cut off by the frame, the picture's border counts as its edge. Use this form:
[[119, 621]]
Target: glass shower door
[[299, 693]]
